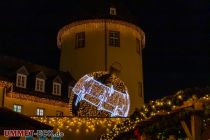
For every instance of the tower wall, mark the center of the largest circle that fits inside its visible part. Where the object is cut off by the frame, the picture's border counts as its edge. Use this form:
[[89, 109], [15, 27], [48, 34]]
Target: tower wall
[[97, 55]]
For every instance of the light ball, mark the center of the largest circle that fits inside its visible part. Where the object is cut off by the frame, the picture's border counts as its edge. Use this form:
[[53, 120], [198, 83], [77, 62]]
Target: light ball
[[101, 94]]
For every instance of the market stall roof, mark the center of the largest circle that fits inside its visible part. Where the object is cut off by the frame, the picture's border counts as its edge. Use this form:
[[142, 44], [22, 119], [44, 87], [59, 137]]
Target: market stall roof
[[10, 120]]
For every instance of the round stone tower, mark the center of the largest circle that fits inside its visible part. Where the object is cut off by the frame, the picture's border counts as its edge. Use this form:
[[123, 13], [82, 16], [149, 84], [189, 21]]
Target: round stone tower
[[105, 44]]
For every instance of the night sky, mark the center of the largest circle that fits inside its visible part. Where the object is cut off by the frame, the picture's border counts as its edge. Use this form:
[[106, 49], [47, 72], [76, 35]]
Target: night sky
[[177, 36]]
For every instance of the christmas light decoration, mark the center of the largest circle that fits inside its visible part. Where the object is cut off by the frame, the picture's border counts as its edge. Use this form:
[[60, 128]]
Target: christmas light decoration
[[162, 107], [5, 84], [117, 126], [78, 124], [96, 23], [36, 99], [101, 96]]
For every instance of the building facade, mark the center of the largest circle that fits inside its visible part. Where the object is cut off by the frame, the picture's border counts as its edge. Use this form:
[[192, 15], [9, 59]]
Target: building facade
[[105, 44], [34, 90]]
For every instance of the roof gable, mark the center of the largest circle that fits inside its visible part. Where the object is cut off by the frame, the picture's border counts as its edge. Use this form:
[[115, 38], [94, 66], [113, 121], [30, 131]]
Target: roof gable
[[23, 70], [57, 79], [41, 75]]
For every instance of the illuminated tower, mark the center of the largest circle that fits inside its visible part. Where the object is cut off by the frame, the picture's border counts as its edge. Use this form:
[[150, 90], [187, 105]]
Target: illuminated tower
[[105, 44]]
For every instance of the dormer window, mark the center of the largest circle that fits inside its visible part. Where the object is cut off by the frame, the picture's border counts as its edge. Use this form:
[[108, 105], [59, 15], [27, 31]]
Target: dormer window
[[56, 88], [21, 80], [40, 82], [21, 77], [40, 85]]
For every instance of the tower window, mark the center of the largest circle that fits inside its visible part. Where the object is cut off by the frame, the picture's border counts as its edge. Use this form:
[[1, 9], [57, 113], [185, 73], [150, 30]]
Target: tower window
[[80, 40], [17, 108], [112, 11], [40, 85], [21, 80], [40, 112], [138, 46], [114, 38], [56, 88]]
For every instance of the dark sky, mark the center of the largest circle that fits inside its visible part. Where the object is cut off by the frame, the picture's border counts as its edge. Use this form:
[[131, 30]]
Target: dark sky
[[177, 36]]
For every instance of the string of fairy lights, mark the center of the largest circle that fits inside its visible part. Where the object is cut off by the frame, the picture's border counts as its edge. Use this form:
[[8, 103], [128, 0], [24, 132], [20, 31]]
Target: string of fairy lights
[[165, 105], [94, 24], [11, 94], [36, 99], [80, 124], [5, 84], [117, 126]]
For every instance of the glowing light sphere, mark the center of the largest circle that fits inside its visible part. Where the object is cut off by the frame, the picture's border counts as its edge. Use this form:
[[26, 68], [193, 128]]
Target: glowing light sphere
[[104, 92]]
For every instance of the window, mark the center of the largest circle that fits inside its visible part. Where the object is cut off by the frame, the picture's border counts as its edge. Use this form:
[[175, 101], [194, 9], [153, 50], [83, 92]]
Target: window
[[114, 38], [29, 138], [140, 89], [17, 108], [42, 138], [59, 113], [56, 138], [40, 85], [21, 80], [40, 112], [138, 46], [112, 11], [56, 88], [80, 40]]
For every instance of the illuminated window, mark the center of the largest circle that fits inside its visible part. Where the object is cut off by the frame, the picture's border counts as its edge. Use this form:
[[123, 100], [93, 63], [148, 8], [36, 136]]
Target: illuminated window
[[114, 38], [42, 138], [29, 138], [56, 138], [56, 88], [59, 113], [138, 46], [40, 85], [112, 11], [17, 108], [140, 89], [21, 80], [40, 112], [80, 40]]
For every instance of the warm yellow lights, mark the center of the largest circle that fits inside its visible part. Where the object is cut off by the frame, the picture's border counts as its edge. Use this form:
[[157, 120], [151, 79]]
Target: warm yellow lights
[[169, 102], [5, 84], [150, 111], [173, 107], [158, 103], [180, 97], [96, 23], [77, 130], [36, 99], [77, 124]]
